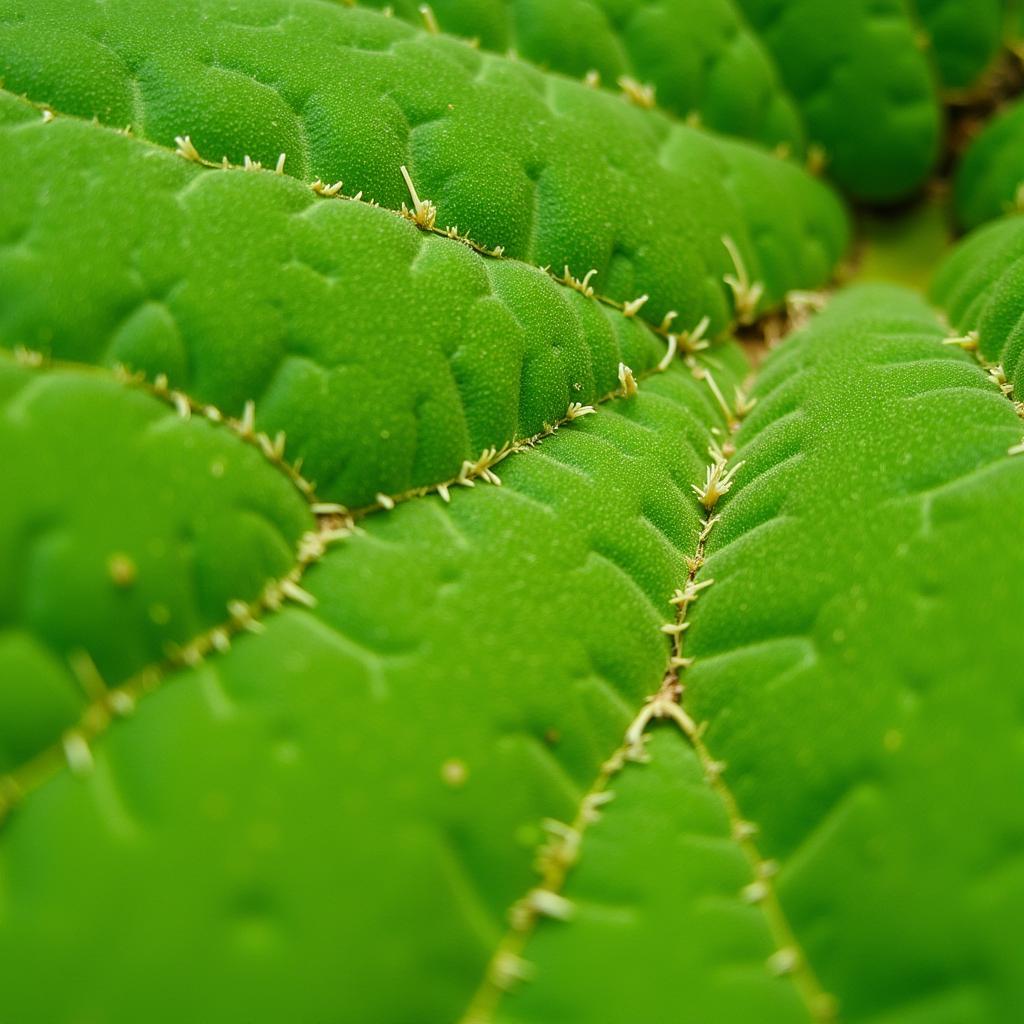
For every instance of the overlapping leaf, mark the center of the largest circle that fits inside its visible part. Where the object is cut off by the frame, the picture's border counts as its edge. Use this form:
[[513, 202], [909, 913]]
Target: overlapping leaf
[[373, 648]]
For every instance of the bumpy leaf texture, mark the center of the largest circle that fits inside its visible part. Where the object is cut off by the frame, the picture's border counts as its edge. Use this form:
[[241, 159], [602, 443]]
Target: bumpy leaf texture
[[845, 83], [989, 179], [418, 604]]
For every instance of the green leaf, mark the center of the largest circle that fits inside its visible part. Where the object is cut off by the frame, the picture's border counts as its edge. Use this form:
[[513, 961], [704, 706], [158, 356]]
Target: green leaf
[[666, 901], [834, 701], [315, 812], [128, 525], [264, 303], [979, 287], [699, 57], [988, 180], [462, 558], [846, 75], [553, 172], [964, 36], [249, 287], [867, 93], [854, 661]]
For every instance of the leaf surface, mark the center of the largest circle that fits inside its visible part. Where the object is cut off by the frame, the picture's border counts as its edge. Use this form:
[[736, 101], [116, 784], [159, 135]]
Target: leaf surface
[[125, 531], [553, 172], [988, 179], [979, 287], [867, 93], [406, 614], [868, 547], [377, 763], [837, 803], [964, 36], [699, 56]]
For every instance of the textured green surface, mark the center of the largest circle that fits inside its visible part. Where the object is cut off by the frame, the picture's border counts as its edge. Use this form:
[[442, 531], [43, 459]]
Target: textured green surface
[[700, 56], [866, 90], [964, 37], [860, 80], [243, 286], [512, 632], [980, 285], [989, 178], [274, 304], [870, 536], [555, 173], [154, 533], [396, 630], [610, 961], [846, 683]]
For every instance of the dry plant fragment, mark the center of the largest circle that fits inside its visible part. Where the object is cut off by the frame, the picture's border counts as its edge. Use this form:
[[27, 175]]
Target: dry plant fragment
[[746, 295], [627, 380], [509, 969], [186, 149], [717, 482], [326, 190], [550, 904], [641, 95], [670, 352], [578, 409], [754, 892], [423, 212], [584, 286], [783, 961], [743, 403], [744, 830], [968, 342], [78, 753], [429, 19], [694, 340], [634, 306]]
